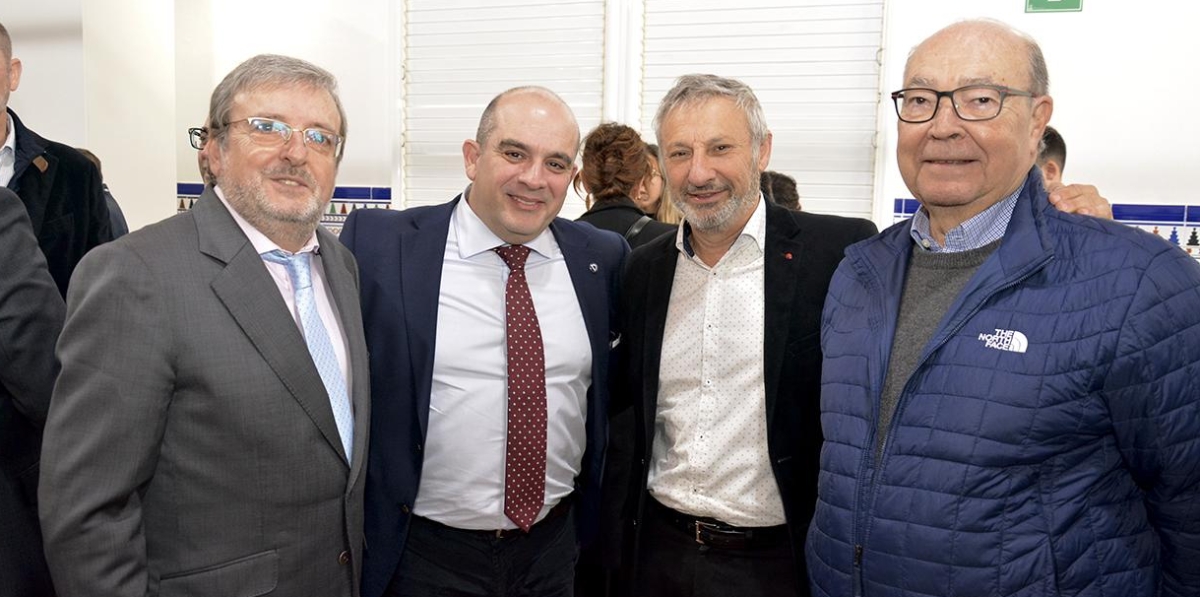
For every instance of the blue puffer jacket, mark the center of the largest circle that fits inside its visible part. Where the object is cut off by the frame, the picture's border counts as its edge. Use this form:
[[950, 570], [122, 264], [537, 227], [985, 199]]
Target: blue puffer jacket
[[1048, 442]]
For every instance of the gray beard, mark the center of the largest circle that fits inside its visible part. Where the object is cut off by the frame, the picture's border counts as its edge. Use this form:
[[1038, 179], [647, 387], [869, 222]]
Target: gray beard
[[717, 219], [254, 206]]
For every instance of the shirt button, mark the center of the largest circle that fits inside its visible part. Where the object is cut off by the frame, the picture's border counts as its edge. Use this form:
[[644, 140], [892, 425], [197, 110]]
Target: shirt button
[[344, 558]]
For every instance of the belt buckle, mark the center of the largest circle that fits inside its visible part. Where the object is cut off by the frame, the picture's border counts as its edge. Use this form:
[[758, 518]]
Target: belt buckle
[[702, 526]]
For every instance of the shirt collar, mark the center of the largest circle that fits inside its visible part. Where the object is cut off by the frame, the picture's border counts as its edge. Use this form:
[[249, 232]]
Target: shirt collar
[[755, 229], [10, 143], [474, 237], [258, 240], [985, 228]]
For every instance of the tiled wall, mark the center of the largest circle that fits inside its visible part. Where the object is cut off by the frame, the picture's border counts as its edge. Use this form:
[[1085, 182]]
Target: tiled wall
[[1178, 224], [345, 200]]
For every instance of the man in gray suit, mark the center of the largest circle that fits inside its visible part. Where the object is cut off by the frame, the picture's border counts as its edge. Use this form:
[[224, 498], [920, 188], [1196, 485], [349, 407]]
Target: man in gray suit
[[31, 316], [208, 431]]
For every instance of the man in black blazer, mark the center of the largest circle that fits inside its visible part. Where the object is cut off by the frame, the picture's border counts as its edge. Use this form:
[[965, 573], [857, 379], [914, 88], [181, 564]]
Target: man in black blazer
[[31, 317], [721, 363], [60, 188]]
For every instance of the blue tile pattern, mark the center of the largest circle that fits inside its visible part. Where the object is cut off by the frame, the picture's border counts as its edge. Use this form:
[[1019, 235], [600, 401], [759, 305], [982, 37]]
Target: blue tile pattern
[[345, 200]]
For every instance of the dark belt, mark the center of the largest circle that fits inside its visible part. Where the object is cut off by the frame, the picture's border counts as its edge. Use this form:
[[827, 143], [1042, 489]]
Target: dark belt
[[714, 533], [558, 511]]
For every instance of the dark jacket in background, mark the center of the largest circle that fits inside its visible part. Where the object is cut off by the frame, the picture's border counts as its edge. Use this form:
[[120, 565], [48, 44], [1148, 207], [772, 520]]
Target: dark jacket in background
[[618, 215], [64, 197], [31, 317]]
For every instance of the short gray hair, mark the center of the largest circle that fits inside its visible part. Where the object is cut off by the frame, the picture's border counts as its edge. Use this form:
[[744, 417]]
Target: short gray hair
[[268, 70], [5, 43], [691, 89]]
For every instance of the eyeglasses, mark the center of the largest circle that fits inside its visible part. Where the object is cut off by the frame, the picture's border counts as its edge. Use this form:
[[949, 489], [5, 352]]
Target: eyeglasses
[[973, 102], [273, 133]]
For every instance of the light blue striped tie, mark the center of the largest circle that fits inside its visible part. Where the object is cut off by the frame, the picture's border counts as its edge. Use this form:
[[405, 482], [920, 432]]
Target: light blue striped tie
[[299, 267]]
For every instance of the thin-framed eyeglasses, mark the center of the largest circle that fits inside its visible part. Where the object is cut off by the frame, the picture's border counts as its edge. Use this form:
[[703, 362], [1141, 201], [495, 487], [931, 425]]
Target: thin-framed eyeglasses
[[973, 102], [269, 132]]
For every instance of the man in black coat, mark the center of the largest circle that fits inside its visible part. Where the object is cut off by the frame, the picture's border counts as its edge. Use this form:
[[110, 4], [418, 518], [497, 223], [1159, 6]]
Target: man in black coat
[[721, 361], [60, 188], [31, 316]]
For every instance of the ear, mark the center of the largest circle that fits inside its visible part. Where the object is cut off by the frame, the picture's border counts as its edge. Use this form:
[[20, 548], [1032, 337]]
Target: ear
[[1043, 108], [470, 151], [1051, 172], [14, 76], [764, 153], [214, 154]]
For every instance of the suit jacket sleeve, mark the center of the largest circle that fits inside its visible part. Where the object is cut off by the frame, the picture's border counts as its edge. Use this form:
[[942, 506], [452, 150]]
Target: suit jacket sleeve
[[105, 425], [31, 313]]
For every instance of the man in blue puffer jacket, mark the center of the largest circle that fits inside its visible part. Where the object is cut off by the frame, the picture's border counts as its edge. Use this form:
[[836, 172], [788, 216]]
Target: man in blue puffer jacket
[[1010, 394]]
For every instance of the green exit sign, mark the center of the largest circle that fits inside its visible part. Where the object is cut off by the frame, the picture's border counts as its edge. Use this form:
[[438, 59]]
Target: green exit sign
[[1053, 5]]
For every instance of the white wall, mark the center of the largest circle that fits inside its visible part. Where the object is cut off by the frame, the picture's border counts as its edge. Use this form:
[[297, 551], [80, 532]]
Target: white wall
[[1122, 78], [48, 38], [350, 38]]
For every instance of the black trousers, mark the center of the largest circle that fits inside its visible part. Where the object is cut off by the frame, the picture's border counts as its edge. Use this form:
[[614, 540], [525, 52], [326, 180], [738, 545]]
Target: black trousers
[[446, 562], [672, 564]]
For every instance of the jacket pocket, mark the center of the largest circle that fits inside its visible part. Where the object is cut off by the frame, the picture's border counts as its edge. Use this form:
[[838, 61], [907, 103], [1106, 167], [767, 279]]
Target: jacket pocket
[[249, 576]]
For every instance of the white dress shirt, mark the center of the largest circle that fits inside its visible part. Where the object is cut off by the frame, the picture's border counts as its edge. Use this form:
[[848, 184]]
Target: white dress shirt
[[462, 480], [279, 273], [8, 154], [709, 456]]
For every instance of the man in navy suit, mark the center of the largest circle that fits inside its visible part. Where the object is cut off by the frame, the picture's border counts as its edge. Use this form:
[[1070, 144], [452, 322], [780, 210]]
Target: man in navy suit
[[449, 506]]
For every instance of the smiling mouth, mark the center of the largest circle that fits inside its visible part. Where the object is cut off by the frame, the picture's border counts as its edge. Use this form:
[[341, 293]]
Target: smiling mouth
[[525, 203], [949, 162]]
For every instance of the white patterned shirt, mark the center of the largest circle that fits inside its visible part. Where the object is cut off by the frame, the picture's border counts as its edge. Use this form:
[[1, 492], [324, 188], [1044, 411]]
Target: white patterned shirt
[[709, 456]]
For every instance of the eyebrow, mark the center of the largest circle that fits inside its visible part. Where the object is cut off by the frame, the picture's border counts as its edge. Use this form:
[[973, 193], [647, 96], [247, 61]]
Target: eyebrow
[[513, 143], [923, 82]]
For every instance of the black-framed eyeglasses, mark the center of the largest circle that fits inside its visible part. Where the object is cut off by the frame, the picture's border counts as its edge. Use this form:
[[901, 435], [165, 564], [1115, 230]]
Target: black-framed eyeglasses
[[973, 102], [269, 132], [198, 136]]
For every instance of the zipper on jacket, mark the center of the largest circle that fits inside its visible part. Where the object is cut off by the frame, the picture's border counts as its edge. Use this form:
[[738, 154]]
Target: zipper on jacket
[[858, 579], [875, 465]]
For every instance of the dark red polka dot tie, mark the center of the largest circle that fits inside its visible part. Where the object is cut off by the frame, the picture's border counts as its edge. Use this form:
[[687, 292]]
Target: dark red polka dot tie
[[525, 454]]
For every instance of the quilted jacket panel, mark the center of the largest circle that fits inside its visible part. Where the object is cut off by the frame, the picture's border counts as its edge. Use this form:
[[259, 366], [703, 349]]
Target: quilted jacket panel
[[1048, 442]]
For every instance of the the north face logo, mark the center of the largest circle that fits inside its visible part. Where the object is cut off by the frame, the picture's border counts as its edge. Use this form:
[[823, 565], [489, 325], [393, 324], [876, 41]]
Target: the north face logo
[[1008, 340]]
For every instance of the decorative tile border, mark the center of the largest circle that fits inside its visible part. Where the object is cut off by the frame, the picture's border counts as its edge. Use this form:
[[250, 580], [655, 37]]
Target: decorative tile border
[[345, 200], [1177, 224]]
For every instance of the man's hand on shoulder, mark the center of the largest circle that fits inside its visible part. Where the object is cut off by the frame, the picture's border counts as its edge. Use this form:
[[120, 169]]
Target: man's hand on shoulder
[[1081, 199]]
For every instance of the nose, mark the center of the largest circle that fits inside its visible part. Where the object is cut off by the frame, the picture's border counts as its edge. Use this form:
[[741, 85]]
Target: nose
[[700, 173], [533, 175], [946, 123], [294, 149]]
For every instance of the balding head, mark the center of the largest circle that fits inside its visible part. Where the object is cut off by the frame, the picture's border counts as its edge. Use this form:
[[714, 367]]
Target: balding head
[[998, 32], [527, 93]]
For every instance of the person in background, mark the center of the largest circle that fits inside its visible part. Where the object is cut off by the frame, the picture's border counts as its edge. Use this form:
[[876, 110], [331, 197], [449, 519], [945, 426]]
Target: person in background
[[116, 217], [60, 188], [1052, 157], [649, 194], [779, 188], [1011, 393], [1074, 198], [614, 165], [665, 210], [719, 367], [208, 432], [31, 317], [488, 320]]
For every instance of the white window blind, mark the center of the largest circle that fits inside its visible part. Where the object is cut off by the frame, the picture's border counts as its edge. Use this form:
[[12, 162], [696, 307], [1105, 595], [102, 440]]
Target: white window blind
[[813, 65], [458, 54]]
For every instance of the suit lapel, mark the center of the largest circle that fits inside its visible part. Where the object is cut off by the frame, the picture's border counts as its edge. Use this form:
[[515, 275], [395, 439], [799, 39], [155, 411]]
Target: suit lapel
[[660, 279], [343, 285], [782, 272], [583, 265], [422, 252], [253, 300]]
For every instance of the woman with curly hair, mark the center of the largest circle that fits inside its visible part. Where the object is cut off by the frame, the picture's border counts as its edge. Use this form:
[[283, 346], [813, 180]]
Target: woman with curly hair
[[615, 167]]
